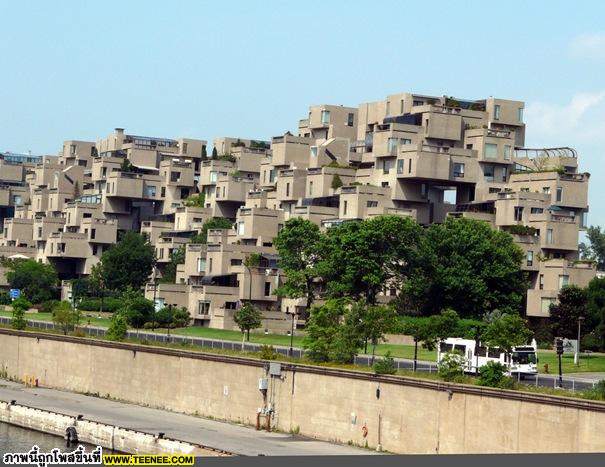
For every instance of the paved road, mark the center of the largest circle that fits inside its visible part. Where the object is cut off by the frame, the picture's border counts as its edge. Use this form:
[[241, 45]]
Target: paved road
[[573, 382], [234, 438]]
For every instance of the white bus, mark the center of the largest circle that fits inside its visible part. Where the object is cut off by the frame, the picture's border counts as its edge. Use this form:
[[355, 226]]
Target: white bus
[[524, 359]]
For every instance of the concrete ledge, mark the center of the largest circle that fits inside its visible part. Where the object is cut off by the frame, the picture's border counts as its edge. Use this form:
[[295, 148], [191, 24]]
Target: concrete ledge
[[99, 434]]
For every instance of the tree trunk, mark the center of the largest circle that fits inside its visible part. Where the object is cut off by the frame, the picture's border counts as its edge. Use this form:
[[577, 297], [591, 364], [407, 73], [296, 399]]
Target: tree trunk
[[248, 335]]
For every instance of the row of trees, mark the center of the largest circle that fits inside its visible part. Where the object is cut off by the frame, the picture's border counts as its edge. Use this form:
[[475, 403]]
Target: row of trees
[[462, 264]]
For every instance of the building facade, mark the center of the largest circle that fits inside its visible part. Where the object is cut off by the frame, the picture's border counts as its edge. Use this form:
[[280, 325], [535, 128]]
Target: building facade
[[425, 157]]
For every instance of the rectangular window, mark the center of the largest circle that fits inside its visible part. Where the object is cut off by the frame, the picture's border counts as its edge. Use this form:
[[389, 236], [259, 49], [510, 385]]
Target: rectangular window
[[507, 151], [314, 151], [267, 289], [537, 210], [545, 305], [488, 173], [504, 173], [240, 228], [563, 281], [541, 282], [272, 176], [40, 232], [203, 307], [210, 265], [403, 141], [310, 188], [546, 190], [213, 176], [386, 166], [401, 107], [201, 264], [458, 169], [93, 234], [410, 166], [400, 163], [94, 250], [520, 114], [287, 189], [372, 204], [391, 145], [491, 151], [350, 119], [149, 191], [559, 194], [549, 236], [518, 213], [530, 258], [417, 103], [497, 112], [344, 208], [236, 262], [423, 190], [325, 117]]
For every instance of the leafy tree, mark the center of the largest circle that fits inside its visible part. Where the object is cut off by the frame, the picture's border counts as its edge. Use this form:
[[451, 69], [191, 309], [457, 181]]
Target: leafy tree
[[322, 328], [65, 316], [137, 310], [204, 153], [126, 166], [97, 282], [80, 288], [506, 332], [361, 259], [430, 331], [564, 314], [494, 375], [128, 263], [214, 223], [385, 365], [181, 318], [177, 256], [470, 267], [117, 328], [298, 245], [214, 153], [595, 250], [451, 366], [36, 280], [20, 306], [248, 317], [595, 310], [336, 182], [375, 322]]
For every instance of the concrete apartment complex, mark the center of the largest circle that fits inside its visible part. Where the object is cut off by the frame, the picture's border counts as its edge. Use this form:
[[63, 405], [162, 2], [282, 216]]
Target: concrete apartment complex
[[424, 157]]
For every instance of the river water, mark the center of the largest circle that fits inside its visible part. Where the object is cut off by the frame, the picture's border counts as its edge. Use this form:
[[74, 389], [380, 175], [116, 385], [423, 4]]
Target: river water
[[16, 439]]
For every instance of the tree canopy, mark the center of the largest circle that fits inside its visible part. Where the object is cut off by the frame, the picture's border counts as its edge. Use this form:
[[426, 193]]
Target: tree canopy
[[506, 332], [213, 223], [36, 280], [128, 263], [470, 267], [564, 314], [248, 317], [595, 250]]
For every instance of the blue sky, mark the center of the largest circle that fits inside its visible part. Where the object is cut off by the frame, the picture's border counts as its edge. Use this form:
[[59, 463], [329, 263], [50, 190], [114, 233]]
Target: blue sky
[[77, 69]]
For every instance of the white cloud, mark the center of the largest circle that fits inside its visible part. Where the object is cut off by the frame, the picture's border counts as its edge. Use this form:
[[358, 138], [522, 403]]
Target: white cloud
[[588, 45], [581, 120]]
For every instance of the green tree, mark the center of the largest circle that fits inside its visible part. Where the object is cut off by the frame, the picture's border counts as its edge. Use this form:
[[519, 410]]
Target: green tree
[[298, 245], [595, 311], [322, 328], [117, 328], [214, 153], [128, 263], [20, 306], [196, 200], [468, 266], [204, 153], [36, 280], [385, 365], [361, 259], [136, 309], [595, 249], [65, 316], [336, 182], [374, 322], [248, 317], [181, 318], [177, 256], [127, 166], [214, 223], [493, 374], [564, 314], [506, 332], [97, 282]]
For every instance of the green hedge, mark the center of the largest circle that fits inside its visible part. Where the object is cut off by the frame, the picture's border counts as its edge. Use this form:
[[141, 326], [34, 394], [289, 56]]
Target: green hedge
[[465, 329], [110, 304]]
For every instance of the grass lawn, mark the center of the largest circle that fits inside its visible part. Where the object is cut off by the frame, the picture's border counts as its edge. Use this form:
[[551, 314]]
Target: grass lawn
[[592, 363], [92, 316]]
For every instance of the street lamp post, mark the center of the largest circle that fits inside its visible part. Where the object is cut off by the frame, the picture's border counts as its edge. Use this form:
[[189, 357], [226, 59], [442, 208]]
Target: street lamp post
[[576, 357]]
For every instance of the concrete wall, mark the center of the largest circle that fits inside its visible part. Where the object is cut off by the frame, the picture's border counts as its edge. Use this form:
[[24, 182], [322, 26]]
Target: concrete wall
[[98, 434], [409, 416]]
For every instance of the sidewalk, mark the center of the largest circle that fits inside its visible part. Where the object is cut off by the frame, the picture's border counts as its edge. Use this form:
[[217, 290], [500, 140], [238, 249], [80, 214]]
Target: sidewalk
[[234, 438]]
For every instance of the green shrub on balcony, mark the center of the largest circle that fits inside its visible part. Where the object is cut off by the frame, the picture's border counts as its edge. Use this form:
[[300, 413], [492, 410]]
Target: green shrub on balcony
[[522, 230]]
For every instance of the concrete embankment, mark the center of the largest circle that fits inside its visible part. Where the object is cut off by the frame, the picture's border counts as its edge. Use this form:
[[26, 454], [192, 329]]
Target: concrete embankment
[[403, 415], [99, 434]]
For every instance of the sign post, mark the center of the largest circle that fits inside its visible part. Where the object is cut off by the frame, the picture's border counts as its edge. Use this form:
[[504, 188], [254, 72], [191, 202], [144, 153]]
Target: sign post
[[15, 293]]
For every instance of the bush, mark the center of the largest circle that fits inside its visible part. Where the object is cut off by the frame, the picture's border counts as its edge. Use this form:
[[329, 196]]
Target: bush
[[494, 375], [596, 393], [451, 366], [118, 328], [465, 328], [386, 365], [267, 352], [78, 333], [110, 304], [5, 298], [48, 306]]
